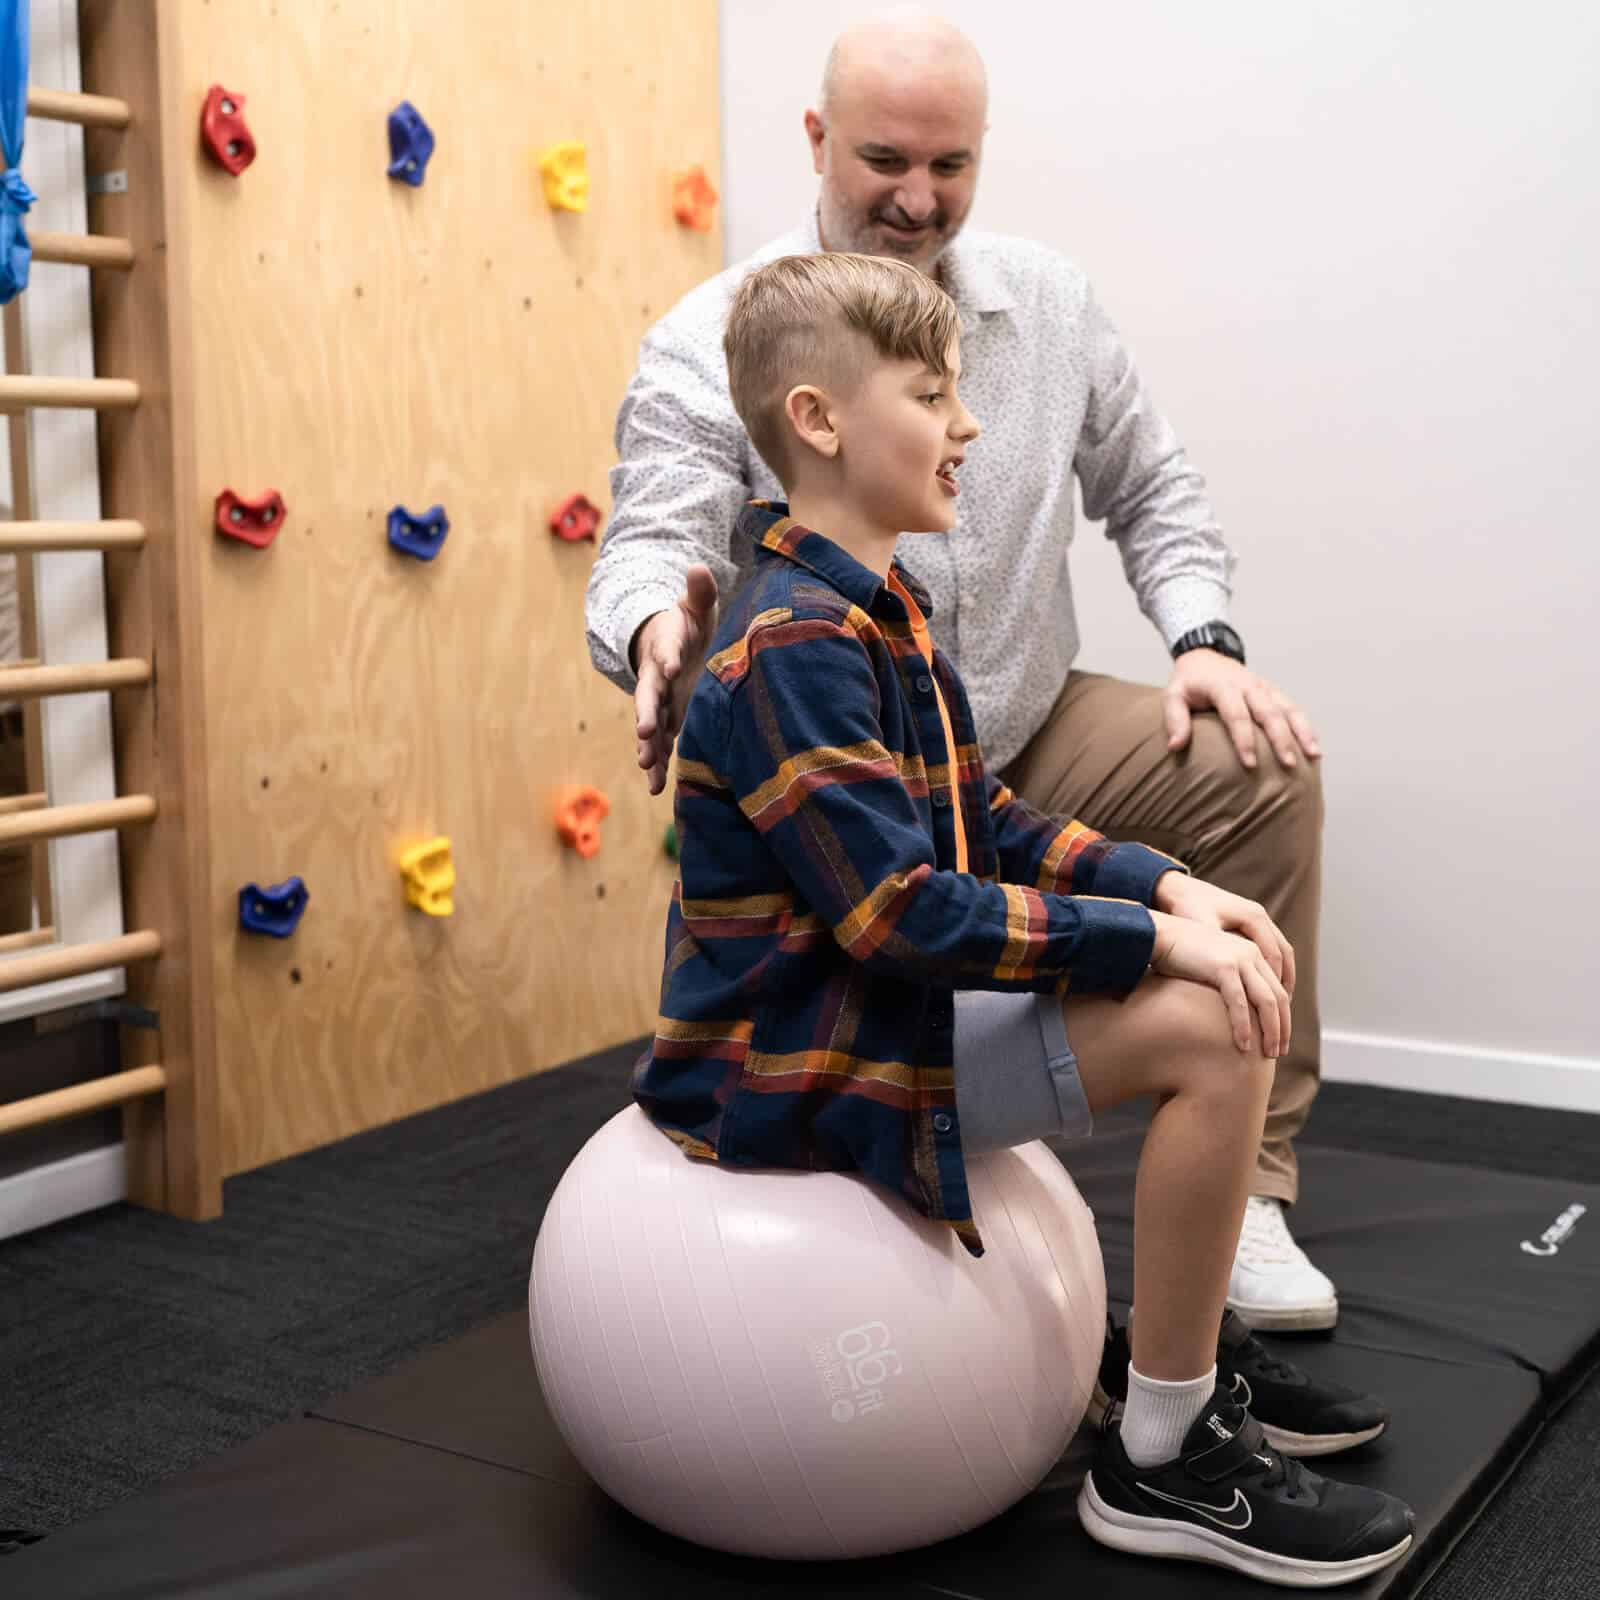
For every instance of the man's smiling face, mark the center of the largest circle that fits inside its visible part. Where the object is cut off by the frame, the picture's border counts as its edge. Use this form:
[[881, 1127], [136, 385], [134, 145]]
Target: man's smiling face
[[897, 145]]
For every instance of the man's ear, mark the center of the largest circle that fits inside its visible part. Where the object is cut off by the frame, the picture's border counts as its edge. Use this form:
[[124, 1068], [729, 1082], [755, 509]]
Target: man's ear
[[815, 134], [810, 414]]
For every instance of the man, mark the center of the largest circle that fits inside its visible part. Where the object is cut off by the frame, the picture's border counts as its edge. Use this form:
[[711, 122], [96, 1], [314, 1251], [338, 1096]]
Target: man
[[896, 139]]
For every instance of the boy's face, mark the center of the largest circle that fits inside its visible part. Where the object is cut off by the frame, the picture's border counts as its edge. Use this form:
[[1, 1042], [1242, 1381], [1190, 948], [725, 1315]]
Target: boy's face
[[902, 435]]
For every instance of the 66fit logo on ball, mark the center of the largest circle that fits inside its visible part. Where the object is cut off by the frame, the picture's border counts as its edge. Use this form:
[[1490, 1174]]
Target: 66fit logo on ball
[[854, 1368]]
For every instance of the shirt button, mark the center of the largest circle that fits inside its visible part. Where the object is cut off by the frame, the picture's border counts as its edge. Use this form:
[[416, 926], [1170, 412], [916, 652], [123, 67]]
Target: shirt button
[[941, 797], [924, 684], [941, 1123]]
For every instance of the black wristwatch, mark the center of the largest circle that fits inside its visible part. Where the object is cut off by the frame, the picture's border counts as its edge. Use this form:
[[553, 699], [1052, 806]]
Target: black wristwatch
[[1211, 636]]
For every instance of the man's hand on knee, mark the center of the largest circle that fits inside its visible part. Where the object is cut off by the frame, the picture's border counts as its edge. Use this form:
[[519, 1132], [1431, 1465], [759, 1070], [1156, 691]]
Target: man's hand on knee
[[1207, 680]]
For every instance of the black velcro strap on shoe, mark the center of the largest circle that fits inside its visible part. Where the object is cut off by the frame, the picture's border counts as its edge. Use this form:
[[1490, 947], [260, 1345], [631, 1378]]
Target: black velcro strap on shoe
[[1227, 1455]]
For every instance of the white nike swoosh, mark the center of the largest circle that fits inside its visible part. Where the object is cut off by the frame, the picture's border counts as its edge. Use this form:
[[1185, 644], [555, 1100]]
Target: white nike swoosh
[[1216, 1514], [1240, 1382]]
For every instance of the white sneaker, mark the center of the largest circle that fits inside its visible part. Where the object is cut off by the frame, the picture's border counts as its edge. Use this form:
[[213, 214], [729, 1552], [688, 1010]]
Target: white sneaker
[[1273, 1285]]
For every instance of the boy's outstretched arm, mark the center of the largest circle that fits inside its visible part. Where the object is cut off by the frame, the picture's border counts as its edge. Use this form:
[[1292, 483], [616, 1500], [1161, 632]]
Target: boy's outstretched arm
[[1069, 857], [805, 755]]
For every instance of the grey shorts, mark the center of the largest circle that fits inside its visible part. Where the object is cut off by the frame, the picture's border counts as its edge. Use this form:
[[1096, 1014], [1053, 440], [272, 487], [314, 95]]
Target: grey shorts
[[1016, 1076]]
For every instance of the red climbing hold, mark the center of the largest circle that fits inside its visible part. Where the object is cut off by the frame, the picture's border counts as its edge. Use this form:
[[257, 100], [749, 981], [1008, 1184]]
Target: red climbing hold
[[575, 518], [254, 521], [223, 130]]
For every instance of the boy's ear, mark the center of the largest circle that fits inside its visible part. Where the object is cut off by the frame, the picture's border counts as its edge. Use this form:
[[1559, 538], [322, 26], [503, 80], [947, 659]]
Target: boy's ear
[[810, 414]]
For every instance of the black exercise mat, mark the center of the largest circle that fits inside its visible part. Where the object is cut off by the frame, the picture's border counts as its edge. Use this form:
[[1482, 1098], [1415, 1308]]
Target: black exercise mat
[[1429, 1259], [448, 1476], [315, 1509], [478, 1397]]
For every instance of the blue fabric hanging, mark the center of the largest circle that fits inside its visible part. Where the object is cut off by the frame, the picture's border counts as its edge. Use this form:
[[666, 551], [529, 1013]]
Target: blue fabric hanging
[[15, 196]]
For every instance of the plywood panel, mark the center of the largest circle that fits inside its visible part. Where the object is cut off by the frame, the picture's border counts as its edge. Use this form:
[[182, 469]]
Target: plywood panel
[[359, 344]]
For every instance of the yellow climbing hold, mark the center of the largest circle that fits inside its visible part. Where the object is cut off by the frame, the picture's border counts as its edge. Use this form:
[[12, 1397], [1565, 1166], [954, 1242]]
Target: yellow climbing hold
[[430, 876], [565, 170]]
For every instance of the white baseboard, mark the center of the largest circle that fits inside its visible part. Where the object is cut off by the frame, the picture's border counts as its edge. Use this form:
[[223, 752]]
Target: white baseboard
[[61, 1189], [1515, 1077]]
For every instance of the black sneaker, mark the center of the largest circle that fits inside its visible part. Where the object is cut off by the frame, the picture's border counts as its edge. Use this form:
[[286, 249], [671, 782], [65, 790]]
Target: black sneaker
[[1298, 1415], [1231, 1500]]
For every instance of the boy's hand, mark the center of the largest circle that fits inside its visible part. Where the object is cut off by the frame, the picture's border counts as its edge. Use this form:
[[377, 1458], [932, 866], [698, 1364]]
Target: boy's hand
[[667, 652], [1182, 896], [1235, 968]]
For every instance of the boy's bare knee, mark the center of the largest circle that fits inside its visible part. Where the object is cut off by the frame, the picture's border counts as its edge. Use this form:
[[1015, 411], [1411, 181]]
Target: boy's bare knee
[[1191, 1035], [1208, 1061]]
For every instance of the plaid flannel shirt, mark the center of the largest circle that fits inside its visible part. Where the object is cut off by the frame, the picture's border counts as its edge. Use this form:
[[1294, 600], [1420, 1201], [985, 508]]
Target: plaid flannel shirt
[[818, 930]]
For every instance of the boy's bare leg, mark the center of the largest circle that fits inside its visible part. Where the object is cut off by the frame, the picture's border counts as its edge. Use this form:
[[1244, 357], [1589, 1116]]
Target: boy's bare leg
[[1171, 1039]]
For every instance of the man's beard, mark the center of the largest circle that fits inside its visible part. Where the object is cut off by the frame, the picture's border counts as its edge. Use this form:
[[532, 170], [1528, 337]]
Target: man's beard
[[842, 231]]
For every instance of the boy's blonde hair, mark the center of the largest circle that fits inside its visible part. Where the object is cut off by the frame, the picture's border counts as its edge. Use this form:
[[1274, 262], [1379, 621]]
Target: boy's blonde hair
[[819, 319]]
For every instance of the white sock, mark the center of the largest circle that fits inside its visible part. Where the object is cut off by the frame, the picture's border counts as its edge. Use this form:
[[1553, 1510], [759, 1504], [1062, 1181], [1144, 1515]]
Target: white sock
[[1159, 1413]]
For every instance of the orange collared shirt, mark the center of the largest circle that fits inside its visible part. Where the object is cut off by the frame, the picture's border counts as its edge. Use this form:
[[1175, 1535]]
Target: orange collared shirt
[[920, 632]]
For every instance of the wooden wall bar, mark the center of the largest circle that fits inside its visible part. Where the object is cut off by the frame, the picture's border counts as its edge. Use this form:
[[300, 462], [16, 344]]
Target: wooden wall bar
[[132, 51]]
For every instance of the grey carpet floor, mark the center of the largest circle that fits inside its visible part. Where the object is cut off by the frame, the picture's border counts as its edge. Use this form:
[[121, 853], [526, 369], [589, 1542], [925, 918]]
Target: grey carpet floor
[[133, 1345]]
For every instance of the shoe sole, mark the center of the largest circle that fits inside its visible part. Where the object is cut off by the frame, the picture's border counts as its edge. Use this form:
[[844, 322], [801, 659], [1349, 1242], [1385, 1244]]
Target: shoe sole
[[1282, 1439], [1316, 1444], [1287, 1319], [1182, 1541]]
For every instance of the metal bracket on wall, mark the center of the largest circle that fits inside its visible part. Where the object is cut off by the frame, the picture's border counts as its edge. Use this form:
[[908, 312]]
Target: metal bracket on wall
[[107, 182], [118, 1011]]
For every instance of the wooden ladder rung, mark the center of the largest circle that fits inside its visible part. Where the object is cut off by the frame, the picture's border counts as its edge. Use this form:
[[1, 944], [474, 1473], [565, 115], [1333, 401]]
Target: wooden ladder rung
[[82, 249], [61, 822], [36, 683], [82, 1098], [12, 803], [73, 960], [87, 110], [31, 939], [20, 392], [26, 538]]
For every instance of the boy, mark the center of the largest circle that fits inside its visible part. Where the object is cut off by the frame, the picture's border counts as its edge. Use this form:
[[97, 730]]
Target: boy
[[879, 959]]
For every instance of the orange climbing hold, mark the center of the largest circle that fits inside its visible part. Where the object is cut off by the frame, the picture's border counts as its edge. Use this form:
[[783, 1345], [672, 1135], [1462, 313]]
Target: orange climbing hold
[[430, 876], [580, 809], [694, 201]]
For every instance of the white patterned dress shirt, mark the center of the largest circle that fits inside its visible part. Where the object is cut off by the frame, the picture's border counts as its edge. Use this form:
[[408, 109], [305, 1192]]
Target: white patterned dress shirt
[[1047, 377]]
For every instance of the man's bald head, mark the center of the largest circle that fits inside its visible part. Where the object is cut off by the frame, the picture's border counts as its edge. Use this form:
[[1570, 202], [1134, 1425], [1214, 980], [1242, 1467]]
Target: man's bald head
[[905, 44], [898, 134]]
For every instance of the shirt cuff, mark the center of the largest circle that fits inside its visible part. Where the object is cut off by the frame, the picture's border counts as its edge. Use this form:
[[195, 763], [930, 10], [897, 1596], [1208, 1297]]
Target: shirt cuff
[[1118, 939], [1184, 603], [1129, 872], [610, 655]]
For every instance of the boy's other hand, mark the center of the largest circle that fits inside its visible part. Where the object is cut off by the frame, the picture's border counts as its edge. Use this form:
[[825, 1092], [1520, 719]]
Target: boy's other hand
[[1235, 968], [1207, 680], [1182, 896], [667, 652]]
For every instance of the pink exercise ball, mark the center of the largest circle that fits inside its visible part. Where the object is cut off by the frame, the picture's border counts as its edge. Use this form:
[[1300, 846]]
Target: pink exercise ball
[[797, 1364]]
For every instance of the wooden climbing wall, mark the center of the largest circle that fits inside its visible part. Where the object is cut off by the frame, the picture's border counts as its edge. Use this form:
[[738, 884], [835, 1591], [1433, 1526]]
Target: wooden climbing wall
[[360, 344]]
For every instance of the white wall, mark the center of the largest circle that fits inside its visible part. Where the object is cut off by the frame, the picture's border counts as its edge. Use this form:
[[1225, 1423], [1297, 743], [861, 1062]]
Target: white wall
[[1354, 249]]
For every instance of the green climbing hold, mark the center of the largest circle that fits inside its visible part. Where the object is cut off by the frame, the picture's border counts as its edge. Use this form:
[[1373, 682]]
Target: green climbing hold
[[669, 840]]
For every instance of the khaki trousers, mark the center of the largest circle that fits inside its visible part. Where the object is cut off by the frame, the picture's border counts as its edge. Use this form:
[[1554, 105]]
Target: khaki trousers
[[1102, 757]]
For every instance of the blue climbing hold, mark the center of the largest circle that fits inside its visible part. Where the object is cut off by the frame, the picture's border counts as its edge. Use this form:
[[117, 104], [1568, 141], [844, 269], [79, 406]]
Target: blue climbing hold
[[423, 536], [276, 910], [410, 144]]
